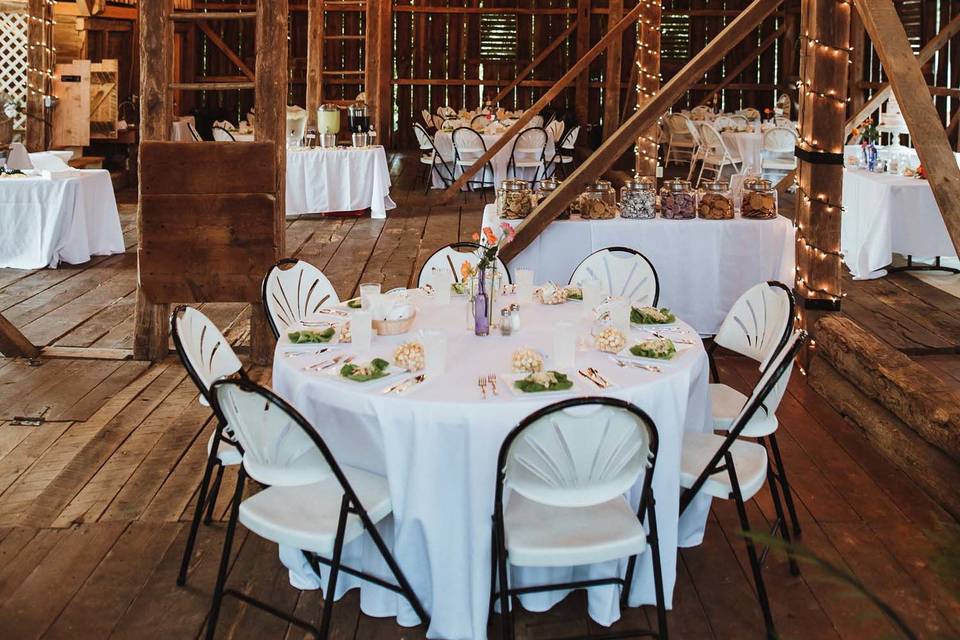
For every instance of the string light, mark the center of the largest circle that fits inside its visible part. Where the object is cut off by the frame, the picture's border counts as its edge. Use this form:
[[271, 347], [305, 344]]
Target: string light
[[40, 74], [647, 61]]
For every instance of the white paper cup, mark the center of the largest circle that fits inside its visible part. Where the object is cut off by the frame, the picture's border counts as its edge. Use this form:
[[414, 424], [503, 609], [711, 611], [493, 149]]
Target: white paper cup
[[366, 290]]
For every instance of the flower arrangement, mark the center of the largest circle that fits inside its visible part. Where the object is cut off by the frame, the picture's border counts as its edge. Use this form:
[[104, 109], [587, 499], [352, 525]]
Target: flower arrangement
[[867, 132], [490, 245]]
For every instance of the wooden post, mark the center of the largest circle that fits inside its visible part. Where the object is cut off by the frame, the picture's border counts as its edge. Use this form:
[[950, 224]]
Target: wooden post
[[823, 71], [648, 84], [858, 42], [926, 128], [581, 100], [315, 26], [378, 83], [39, 61], [615, 146], [271, 103], [156, 115], [611, 76]]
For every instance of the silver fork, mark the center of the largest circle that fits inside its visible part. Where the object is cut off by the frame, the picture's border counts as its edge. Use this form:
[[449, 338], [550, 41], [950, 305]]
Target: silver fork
[[482, 383], [596, 374], [492, 379], [636, 365]]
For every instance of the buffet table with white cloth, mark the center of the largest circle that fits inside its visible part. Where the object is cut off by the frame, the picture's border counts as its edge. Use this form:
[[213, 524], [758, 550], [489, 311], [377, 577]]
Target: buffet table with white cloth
[[886, 214], [500, 161], [68, 217], [703, 265], [437, 446], [338, 179]]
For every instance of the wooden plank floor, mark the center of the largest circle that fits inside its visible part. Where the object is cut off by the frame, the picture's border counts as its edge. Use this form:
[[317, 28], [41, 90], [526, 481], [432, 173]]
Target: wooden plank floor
[[96, 498]]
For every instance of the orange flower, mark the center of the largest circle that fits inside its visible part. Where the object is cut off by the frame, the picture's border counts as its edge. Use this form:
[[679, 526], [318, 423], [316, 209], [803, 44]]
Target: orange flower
[[855, 133], [466, 270], [475, 237], [490, 235]]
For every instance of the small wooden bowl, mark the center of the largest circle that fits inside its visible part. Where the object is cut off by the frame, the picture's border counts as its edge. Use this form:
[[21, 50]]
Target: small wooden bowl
[[393, 327]]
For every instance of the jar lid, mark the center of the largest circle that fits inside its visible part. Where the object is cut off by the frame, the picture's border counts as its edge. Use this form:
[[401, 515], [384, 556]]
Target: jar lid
[[757, 184], [677, 185], [514, 184], [549, 184], [638, 183], [716, 185], [599, 186], [328, 107]]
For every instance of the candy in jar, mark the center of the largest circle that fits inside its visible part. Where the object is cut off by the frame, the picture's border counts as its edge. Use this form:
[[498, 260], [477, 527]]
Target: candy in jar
[[677, 200], [638, 199]]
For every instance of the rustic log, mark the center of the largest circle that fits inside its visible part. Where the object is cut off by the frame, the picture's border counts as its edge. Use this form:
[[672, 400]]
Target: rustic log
[[892, 379], [648, 59], [37, 60], [906, 78], [611, 76], [581, 91], [932, 469], [315, 26], [614, 147]]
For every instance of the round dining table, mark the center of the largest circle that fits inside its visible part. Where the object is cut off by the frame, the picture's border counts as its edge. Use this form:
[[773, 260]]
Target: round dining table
[[437, 444]]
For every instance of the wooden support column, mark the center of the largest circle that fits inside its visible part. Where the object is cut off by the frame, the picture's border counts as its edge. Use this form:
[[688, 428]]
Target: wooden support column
[[39, 60], [271, 103], [625, 137], [910, 87], [581, 100], [315, 26], [648, 84], [823, 72], [151, 329], [858, 42], [611, 76], [378, 82]]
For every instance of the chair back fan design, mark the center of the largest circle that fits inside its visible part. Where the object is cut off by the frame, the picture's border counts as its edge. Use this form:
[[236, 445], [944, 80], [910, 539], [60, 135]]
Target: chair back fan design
[[293, 290], [423, 137], [536, 122], [622, 272], [427, 118], [222, 135], [530, 144], [712, 139], [468, 144], [447, 260], [272, 436], [556, 130], [204, 351], [677, 123], [760, 322], [779, 140], [579, 453], [739, 121], [570, 139]]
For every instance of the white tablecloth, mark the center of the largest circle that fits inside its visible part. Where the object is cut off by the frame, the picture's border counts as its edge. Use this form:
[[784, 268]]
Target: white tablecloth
[[887, 214], [45, 221], [438, 446], [703, 265], [747, 145], [444, 143], [339, 179]]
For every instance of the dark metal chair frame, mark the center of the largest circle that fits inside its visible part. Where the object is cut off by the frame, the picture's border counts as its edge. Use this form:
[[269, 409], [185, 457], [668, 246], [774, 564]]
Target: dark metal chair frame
[[499, 574], [226, 131], [511, 164], [448, 179], [778, 474], [558, 153], [722, 461], [206, 495], [488, 166], [656, 276], [473, 246], [349, 505], [281, 264]]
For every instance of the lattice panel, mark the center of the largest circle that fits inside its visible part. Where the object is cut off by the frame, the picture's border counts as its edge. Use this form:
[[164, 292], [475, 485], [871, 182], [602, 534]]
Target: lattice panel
[[13, 59]]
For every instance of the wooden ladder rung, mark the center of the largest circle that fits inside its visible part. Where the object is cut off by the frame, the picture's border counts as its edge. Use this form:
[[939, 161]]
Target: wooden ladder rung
[[197, 16], [210, 86]]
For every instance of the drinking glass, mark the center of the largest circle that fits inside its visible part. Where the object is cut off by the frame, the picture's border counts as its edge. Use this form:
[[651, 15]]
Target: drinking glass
[[592, 294], [524, 284], [441, 287], [564, 345], [361, 330], [435, 351], [366, 290], [620, 314]]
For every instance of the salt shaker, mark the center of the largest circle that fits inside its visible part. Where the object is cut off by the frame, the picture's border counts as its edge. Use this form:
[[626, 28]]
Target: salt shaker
[[514, 318], [506, 322]]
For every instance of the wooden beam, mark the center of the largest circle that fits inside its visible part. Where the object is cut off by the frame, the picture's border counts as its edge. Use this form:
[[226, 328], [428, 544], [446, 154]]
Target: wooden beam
[[743, 64], [150, 341], [926, 129], [13, 343], [201, 16], [581, 92], [379, 68], [212, 86], [926, 54], [611, 75], [38, 62], [315, 27], [560, 39], [271, 101], [648, 57], [573, 73], [641, 120], [225, 48]]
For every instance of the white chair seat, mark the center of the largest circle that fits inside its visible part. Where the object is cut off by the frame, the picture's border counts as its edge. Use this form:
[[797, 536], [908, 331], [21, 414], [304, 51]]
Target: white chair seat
[[427, 158], [780, 163], [540, 535], [227, 454], [306, 516], [749, 458], [727, 403]]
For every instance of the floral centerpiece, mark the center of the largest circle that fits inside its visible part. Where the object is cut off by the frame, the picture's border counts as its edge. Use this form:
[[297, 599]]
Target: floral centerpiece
[[483, 295], [869, 136]]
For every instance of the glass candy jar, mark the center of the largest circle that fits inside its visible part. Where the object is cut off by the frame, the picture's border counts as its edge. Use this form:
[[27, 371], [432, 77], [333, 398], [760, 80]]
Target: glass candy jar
[[759, 199], [716, 202], [514, 199], [548, 186], [598, 202], [638, 199], [678, 201]]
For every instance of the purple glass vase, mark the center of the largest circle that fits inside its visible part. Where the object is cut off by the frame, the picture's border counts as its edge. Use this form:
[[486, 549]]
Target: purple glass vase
[[481, 317]]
